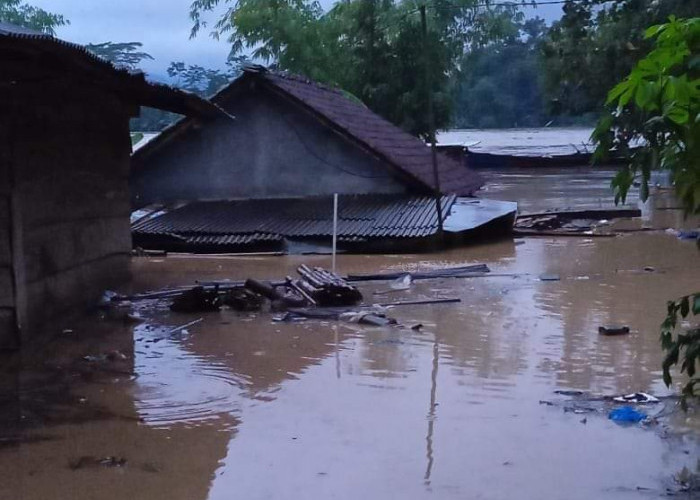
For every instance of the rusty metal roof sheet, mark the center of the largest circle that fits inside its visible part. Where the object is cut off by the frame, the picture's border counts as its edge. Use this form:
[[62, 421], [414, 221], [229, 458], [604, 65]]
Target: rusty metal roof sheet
[[361, 217]]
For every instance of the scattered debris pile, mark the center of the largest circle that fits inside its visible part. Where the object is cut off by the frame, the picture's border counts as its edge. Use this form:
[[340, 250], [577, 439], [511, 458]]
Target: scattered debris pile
[[571, 223], [315, 287], [325, 288], [197, 299]]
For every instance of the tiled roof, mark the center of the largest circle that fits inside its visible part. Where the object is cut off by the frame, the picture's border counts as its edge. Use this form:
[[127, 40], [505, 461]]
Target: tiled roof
[[236, 223], [401, 149]]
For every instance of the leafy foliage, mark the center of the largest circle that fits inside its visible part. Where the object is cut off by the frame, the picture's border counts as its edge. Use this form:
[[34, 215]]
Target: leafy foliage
[[500, 85], [658, 106], [685, 344], [373, 49], [123, 55], [595, 44], [19, 13], [203, 81]]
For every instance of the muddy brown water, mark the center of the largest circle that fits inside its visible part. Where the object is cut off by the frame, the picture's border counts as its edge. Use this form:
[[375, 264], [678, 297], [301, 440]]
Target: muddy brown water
[[239, 406]]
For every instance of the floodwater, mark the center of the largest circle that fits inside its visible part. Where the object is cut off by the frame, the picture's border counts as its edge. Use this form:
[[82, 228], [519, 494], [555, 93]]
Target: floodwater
[[239, 406], [545, 141]]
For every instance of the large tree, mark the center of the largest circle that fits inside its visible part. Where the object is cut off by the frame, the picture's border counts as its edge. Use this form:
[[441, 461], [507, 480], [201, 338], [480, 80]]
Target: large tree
[[20, 13], [595, 44], [374, 49], [127, 55], [502, 86]]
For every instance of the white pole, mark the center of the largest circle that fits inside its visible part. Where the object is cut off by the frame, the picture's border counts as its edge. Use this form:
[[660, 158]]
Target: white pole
[[335, 226]]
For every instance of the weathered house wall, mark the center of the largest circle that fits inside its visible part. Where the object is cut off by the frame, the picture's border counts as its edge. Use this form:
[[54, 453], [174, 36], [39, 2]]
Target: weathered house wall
[[7, 295], [68, 163], [271, 149]]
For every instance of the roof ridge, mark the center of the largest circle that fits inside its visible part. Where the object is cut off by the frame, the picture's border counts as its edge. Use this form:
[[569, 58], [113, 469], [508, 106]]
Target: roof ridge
[[298, 77]]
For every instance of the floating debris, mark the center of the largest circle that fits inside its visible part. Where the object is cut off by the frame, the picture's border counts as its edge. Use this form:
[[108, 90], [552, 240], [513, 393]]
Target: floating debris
[[567, 392], [90, 461], [197, 299], [109, 356], [327, 288], [570, 223], [626, 414], [637, 397], [447, 272], [242, 299], [613, 330]]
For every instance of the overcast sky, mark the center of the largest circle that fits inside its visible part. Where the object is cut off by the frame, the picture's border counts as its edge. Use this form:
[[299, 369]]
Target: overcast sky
[[163, 26]]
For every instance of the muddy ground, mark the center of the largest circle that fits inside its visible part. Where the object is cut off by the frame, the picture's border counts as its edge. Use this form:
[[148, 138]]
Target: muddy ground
[[240, 406]]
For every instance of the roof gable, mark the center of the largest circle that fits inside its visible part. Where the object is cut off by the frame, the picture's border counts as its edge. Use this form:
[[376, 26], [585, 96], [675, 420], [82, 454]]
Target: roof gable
[[394, 145], [406, 153]]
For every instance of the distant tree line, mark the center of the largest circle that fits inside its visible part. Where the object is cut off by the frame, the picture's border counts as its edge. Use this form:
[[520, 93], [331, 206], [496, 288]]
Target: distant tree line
[[488, 66]]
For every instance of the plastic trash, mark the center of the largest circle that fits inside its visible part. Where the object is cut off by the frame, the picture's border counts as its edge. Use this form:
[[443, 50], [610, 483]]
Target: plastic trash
[[402, 282], [626, 414], [636, 397], [689, 234]]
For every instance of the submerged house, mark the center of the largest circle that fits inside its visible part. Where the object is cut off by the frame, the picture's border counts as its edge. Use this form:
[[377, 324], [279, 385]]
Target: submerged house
[[64, 167], [264, 180]]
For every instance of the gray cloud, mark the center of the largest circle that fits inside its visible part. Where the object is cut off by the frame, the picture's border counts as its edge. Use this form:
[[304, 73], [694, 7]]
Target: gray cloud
[[163, 28]]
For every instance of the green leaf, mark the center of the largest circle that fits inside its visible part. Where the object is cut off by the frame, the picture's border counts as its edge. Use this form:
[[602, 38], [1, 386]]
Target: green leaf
[[685, 306], [666, 340], [677, 115], [652, 31], [644, 94], [617, 91]]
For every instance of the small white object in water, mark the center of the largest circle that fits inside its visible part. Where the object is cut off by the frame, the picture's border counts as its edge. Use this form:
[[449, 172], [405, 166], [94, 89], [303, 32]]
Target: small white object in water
[[637, 397], [402, 282]]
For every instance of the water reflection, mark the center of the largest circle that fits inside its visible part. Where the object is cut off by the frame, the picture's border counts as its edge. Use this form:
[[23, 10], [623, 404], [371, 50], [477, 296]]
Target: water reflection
[[239, 405]]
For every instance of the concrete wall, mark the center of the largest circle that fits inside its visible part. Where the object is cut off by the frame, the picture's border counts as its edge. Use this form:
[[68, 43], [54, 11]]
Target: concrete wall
[[271, 149], [69, 160]]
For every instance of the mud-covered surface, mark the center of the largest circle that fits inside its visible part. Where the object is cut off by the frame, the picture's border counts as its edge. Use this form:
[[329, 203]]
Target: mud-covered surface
[[239, 406]]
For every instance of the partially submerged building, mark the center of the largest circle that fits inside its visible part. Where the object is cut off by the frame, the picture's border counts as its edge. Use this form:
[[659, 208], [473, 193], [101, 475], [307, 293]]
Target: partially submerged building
[[263, 181], [64, 169]]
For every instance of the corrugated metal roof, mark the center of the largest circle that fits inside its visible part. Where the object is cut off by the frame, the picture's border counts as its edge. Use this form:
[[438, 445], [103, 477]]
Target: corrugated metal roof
[[360, 218], [231, 239]]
